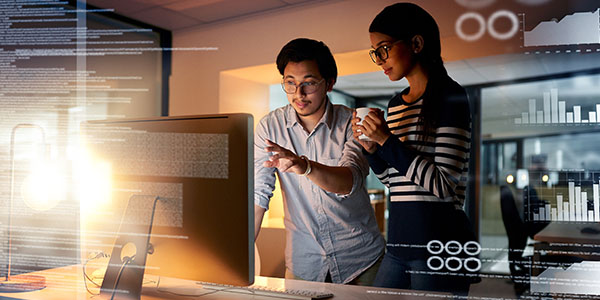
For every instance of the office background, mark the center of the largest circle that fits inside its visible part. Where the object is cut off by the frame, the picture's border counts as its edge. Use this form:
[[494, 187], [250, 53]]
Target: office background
[[222, 61]]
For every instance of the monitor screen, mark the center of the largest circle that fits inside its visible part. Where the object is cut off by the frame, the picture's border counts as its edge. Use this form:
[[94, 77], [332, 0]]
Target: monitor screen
[[190, 178]]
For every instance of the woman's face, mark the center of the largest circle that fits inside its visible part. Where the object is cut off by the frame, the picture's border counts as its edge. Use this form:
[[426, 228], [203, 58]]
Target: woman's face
[[400, 61]]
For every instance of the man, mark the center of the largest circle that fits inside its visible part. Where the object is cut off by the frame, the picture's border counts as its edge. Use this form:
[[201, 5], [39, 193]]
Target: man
[[331, 232]]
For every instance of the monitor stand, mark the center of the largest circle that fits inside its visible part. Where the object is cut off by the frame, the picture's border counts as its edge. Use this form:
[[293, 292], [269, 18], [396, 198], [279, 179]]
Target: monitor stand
[[125, 272]]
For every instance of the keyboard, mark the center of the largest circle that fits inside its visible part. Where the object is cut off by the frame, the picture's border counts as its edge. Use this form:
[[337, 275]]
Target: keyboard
[[281, 293]]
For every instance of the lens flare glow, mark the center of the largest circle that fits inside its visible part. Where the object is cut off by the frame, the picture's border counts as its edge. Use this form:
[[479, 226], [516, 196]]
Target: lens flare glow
[[510, 179], [44, 187], [93, 181], [545, 178]]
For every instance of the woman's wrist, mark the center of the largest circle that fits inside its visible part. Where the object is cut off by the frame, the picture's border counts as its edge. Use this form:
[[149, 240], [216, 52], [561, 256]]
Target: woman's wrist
[[382, 140], [372, 150]]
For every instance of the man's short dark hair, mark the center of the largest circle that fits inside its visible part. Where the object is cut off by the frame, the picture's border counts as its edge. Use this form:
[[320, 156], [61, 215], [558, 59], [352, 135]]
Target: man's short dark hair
[[306, 49]]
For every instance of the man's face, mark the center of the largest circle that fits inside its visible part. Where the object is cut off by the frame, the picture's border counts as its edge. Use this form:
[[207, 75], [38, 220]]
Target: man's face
[[307, 73]]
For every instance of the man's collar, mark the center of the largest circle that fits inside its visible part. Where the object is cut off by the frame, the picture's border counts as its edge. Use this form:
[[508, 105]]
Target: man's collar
[[328, 116], [292, 119]]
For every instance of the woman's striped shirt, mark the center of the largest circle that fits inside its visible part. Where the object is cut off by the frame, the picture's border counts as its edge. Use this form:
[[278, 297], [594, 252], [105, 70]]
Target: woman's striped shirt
[[426, 169]]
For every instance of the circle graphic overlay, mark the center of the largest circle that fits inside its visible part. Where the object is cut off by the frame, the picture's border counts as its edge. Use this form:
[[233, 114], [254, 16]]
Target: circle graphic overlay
[[506, 35], [472, 245], [435, 247], [453, 263], [469, 262], [453, 247], [533, 2], [439, 262], [475, 4], [474, 36]]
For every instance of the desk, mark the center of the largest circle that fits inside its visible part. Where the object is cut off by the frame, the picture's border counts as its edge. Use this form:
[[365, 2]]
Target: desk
[[563, 232], [565, 240], [580, 279], [67, 283]]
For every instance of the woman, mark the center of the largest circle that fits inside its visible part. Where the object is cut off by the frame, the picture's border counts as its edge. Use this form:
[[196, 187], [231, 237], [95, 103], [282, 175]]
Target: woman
[[421, 153]]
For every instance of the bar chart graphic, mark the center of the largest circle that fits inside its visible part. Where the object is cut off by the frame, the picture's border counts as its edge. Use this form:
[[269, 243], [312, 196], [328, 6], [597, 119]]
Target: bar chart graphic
[[574, 29], [553, 111], [573, 197]]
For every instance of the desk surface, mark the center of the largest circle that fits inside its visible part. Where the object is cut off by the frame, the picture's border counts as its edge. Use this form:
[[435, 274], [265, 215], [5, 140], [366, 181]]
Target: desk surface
[[563, 232], [67, 283]]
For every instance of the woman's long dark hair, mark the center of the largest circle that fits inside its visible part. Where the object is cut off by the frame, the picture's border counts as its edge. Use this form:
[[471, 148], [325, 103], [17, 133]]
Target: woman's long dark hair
[[403, 21]]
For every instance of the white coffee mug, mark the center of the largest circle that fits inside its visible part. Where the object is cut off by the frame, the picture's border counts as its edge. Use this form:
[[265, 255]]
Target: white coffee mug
[[361, 113]]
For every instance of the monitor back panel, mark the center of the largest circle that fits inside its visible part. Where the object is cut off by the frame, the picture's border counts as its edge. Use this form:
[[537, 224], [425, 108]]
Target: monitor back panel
[[201, 167]]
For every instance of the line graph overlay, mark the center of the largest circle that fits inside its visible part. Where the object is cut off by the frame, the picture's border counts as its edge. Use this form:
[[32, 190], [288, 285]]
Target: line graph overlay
[[574, 29]]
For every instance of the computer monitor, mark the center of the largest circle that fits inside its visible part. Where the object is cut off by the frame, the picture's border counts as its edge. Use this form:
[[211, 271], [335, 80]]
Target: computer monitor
[[198, 173]]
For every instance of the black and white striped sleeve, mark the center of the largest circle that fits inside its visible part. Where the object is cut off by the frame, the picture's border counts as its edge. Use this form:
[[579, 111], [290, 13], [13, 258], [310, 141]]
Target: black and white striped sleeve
[[441, 174], [438, 170], [379, 167]]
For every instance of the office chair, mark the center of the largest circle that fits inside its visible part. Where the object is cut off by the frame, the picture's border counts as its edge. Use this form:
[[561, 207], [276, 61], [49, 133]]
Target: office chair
[[520, 267]]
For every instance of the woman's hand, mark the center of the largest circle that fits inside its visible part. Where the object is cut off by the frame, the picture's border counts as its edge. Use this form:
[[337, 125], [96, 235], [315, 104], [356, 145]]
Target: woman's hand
[[375, 127], [284, 159], [369, 146]]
